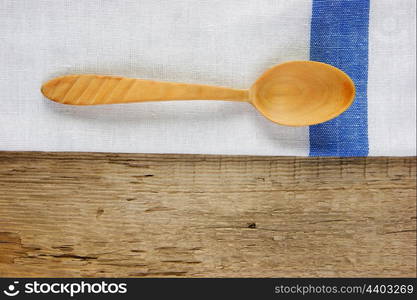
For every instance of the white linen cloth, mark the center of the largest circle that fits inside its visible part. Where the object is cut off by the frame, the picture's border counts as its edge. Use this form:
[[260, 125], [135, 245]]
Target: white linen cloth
[[228, 43]]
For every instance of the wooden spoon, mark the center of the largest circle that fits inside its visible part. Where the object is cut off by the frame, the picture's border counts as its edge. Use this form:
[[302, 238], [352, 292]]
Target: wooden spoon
[[297, 93]]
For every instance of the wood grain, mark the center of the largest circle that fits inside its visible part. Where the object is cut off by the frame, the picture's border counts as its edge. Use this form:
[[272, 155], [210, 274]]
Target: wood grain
[[102, 215]]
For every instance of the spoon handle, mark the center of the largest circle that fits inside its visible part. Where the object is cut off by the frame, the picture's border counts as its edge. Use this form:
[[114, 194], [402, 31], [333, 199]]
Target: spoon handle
[[99, 89]]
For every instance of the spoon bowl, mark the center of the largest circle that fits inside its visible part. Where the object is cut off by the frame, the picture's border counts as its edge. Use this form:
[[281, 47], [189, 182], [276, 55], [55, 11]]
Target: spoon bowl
[[297, 93], [301, 93]]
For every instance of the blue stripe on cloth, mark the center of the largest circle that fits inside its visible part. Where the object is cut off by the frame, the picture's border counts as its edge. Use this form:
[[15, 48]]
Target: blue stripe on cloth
[[339, 36]]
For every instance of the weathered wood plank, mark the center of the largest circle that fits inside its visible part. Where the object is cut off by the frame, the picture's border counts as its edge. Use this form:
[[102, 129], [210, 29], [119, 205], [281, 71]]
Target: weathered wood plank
[[85, 214]]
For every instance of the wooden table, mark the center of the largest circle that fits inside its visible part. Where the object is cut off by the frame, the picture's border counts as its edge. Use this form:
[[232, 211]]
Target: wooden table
[[83, 214]]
